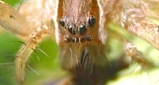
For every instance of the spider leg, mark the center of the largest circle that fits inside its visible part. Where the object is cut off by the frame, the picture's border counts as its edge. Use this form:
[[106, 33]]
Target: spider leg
[[13, 21], [137, 56], [26, 50], [142, 21]]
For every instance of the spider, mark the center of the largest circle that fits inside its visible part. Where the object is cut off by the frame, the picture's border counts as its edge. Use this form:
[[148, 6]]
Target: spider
[[81, 29]]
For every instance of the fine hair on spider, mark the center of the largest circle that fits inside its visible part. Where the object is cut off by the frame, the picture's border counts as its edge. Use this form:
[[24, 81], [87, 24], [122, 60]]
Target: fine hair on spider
[[82, 30]]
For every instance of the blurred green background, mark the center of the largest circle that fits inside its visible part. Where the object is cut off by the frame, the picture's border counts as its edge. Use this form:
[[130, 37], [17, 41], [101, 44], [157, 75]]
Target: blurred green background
[[45, 68], [12, 2]]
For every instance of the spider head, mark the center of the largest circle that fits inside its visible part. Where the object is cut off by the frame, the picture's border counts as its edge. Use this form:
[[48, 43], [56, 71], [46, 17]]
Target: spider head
[[78, 21]]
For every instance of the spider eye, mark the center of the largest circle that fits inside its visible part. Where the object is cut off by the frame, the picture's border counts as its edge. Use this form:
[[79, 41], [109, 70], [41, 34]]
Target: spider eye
[[62, 22], [88, 37], [67, 38], [91, 21], [71, 30], [82, 29]]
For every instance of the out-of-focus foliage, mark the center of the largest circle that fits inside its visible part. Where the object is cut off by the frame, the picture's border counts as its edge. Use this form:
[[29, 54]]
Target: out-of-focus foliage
[[12, 2]]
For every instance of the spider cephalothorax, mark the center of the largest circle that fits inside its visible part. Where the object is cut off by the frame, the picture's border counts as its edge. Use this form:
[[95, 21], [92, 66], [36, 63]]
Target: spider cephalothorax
[[78, 25], [78, 20]]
